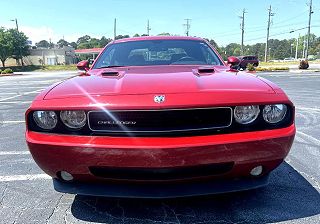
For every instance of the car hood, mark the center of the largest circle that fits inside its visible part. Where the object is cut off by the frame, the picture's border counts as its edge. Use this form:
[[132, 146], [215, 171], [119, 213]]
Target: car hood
[[157, 80]]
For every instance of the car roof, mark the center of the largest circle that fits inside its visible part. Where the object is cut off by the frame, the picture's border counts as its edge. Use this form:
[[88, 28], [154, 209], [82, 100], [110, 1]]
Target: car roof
[[157, 38]]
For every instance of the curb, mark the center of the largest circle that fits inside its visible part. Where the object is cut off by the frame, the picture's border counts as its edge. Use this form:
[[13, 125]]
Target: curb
[[303, 71], [12, 74]]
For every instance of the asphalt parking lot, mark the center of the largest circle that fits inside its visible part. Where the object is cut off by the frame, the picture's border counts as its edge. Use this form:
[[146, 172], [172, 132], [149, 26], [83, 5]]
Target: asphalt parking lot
[[27, 195]]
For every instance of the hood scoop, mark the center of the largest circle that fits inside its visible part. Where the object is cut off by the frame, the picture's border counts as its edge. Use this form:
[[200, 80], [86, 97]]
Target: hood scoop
[[112, 73], [208, 70]]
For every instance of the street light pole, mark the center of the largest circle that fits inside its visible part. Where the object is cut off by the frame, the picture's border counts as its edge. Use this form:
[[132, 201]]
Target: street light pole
[[15, 20], [17, 27]]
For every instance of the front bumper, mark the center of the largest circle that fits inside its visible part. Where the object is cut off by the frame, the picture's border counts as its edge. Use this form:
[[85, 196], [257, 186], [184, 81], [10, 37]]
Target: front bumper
[[164, 190], [76, 154]]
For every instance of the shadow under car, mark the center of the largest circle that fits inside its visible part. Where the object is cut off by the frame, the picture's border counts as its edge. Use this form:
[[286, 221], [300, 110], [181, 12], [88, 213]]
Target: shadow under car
[[288, 196]]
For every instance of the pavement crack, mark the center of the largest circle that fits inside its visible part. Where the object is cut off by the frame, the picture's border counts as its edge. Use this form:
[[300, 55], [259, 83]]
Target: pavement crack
[[122, 210], [65, 214], [173, 212], [3, 194], [54, 209], [22, 211]]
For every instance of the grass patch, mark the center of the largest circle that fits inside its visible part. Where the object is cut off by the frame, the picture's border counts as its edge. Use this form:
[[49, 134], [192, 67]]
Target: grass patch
[[283, 63], [269, 69], [39, 68], [59, 68]]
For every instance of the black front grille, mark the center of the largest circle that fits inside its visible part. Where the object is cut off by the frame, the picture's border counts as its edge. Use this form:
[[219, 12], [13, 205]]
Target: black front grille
[[173, 173], [159, 121]]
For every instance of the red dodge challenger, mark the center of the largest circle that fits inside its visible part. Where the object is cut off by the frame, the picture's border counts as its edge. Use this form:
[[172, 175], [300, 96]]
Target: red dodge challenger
[[160, 117]]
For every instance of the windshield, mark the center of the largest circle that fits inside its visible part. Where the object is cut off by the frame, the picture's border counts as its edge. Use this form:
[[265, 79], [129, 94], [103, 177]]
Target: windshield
[[158, 52]]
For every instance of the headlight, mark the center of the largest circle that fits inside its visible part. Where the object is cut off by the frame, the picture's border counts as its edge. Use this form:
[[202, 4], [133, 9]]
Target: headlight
[[274, 113], [74, 119], [45, 119], [246, 114]]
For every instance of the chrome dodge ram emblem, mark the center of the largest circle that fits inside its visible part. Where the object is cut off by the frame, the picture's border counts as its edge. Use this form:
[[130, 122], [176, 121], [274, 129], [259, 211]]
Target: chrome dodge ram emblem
[[159, 98]]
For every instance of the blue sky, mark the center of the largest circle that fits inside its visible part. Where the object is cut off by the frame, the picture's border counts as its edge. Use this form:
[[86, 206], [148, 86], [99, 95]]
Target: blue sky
[[218, 20]]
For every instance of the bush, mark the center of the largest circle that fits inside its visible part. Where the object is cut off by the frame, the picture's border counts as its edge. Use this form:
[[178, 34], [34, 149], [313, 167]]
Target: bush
[[251, 67], [304, 64], [7, 71]]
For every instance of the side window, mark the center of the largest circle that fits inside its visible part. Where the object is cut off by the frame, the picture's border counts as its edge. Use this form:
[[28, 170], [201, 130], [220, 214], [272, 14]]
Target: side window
[[108, 58], [210, 57]]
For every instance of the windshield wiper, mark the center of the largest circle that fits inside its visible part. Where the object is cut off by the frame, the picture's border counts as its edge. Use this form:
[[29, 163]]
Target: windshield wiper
[[111, 66]]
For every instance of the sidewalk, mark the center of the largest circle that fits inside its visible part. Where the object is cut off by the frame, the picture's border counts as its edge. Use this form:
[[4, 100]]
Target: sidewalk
[[40, 73]]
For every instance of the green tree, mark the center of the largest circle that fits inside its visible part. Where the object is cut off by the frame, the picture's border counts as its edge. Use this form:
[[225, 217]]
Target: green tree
[[61, 43], [164, 34], [104, 41], [121, 37], [213, 43], [232, 49], [74, 45], [6, 45], [136, 35], [20, 45], [83, 39], [43, 44]]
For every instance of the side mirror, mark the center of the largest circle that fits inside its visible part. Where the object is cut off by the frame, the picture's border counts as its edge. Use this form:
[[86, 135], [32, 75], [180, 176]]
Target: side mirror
[[233, 61], [83, 65]]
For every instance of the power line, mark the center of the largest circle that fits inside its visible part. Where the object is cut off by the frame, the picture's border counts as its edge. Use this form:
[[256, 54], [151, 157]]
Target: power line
[[292, 18], [285, 32], [187, 25]]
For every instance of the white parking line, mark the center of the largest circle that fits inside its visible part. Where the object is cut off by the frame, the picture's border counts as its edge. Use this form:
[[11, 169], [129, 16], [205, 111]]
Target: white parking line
[[309, 138], [24, 177], [309, 108], [9, 153], [26, 93], [12, 122], [15, 102], [13, 93]]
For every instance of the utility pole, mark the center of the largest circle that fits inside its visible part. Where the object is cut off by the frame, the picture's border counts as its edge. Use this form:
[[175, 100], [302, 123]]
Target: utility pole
[[304, 47], [115, 28], [187, 25], [309, 26], [148, 28], [297, 44], [268, 31], [242, 30]]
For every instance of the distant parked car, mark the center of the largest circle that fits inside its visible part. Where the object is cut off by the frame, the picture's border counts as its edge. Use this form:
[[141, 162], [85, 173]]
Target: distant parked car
[[245, 60], [288, 59]]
